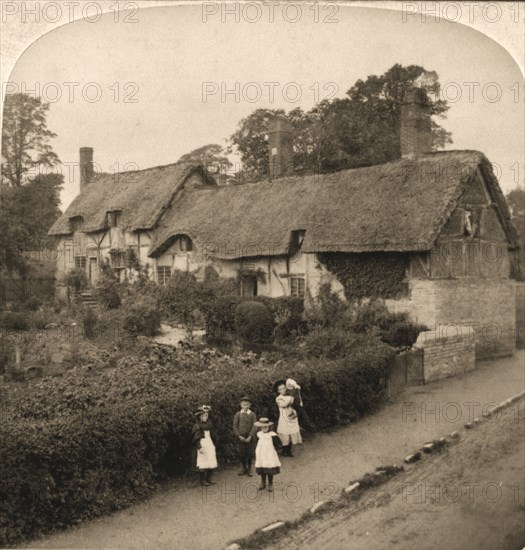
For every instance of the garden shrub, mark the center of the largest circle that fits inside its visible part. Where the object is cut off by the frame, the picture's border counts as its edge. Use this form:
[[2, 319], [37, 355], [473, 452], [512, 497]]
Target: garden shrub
[[220, 317], [33, 303], [77, 279], [394, 328], [286, 315], [89, 321], [107, 290], [181, 298], [80, 445], [328, 309], [39, 320], [253, 322], [7, 353], [15, 320], [143, 318]]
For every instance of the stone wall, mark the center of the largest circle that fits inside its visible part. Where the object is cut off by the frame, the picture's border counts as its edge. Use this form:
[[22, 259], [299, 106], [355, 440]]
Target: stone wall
[[451, 306], [445, 356]]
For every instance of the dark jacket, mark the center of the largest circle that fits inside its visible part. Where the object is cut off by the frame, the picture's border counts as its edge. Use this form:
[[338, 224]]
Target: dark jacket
[[244, 424], [197, 433]]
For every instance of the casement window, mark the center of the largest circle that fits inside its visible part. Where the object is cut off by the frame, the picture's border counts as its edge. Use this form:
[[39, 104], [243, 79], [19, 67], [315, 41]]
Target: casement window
[[297, 286], [113, 218], [80, 262], [118, 259], [183, 244], [163, 274]]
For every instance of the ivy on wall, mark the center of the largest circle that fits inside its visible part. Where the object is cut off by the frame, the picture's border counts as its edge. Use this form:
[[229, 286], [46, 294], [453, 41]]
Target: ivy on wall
[[368, 275]]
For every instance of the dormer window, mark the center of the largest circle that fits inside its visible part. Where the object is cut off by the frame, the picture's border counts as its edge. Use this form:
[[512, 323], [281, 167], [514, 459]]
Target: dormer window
[[113, 218], [182, 243], [296, 241], [76, 223]]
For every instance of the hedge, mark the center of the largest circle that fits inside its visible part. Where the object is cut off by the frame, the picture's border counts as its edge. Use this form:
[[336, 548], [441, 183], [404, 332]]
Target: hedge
[[86, 444], [220, 313]]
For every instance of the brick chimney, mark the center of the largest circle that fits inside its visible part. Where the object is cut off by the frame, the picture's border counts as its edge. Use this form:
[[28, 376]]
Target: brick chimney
[[416, 128], [280, 149], [86, 167]]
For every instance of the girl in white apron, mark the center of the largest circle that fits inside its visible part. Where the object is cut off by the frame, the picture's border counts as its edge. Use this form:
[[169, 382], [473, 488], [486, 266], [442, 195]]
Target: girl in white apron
[[203, 443], [266, 458]]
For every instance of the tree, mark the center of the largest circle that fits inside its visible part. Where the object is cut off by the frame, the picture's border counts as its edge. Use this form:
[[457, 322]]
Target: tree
[[249, 140], [29, 204], [358, 130], [25, 138], [213, 157]]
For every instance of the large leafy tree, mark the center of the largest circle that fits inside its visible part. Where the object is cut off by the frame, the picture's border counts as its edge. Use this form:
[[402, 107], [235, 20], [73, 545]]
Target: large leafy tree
[[30, 185], [213, 157], [25, 138], [357, 130], [26, 214], [249, 141]]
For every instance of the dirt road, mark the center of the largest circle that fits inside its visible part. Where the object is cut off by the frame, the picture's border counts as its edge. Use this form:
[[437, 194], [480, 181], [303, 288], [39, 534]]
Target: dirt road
[[470, 497], [182, 516]]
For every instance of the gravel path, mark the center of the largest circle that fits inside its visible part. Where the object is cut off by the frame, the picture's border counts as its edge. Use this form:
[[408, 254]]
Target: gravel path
[[184, 516]]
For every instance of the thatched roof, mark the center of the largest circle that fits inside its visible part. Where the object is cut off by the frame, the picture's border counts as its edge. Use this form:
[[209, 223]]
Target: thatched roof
[[141, 195], [397, 206]]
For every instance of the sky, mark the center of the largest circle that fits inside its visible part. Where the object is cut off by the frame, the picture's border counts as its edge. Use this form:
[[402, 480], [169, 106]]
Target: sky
[[152, 86]]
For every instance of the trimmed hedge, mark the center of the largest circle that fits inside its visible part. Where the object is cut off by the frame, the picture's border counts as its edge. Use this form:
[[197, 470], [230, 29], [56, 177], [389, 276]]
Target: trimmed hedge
[[84, 445], [253, 322], [220, 314]]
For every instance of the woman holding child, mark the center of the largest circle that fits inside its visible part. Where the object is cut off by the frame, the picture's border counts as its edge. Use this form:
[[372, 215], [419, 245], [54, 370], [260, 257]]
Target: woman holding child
[[288, 427]]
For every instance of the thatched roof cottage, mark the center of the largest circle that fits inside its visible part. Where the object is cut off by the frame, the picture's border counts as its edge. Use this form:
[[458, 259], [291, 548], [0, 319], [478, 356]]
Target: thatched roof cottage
[[430, 232]]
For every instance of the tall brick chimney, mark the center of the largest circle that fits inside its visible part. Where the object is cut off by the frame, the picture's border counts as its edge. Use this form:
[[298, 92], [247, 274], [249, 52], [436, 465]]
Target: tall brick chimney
[[280, 149], [416, 128], [86, 167]]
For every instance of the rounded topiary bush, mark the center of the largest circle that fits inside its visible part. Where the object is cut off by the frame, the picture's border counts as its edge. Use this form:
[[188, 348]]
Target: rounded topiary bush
[[143, 318], [253, 322]]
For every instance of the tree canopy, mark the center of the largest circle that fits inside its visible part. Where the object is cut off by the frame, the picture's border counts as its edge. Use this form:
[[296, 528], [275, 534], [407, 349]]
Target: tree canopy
[[213, 157], [358, 130], [25, 138], [30, 186]]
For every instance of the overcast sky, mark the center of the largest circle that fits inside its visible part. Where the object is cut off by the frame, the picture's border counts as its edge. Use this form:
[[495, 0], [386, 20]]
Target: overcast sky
[[150, 76]]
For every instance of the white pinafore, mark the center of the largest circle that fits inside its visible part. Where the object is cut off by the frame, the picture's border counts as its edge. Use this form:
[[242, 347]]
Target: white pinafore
[[206, 457]]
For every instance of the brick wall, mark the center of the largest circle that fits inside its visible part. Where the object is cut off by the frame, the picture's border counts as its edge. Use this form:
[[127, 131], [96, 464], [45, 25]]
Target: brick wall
[[445, 356], [450, 306]]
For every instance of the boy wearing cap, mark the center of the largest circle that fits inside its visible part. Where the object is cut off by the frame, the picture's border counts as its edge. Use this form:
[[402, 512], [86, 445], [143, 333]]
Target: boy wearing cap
[[245, 430]]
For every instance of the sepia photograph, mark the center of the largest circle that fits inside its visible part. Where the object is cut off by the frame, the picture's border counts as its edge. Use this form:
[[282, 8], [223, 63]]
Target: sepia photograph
[[262, 275]]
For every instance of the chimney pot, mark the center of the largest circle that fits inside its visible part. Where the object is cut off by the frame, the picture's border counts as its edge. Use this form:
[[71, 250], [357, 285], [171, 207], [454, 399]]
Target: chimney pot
[[280, 147], [86, 167]]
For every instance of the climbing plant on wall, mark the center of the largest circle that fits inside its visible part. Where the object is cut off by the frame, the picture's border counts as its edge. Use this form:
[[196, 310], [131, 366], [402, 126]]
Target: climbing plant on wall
[[368, 275]]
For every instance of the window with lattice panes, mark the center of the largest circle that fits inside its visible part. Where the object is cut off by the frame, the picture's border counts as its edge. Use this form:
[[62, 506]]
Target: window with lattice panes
[[80, 262], [118, 259], [163, 274], [297, 286]]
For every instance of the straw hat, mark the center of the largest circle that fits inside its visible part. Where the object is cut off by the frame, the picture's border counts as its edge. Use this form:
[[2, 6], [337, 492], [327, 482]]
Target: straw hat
[[263, 421], [202, 410]]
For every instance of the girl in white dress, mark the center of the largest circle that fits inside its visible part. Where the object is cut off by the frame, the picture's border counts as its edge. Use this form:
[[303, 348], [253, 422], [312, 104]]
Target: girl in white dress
[[288, 426], [204, 457], [266, 458]]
